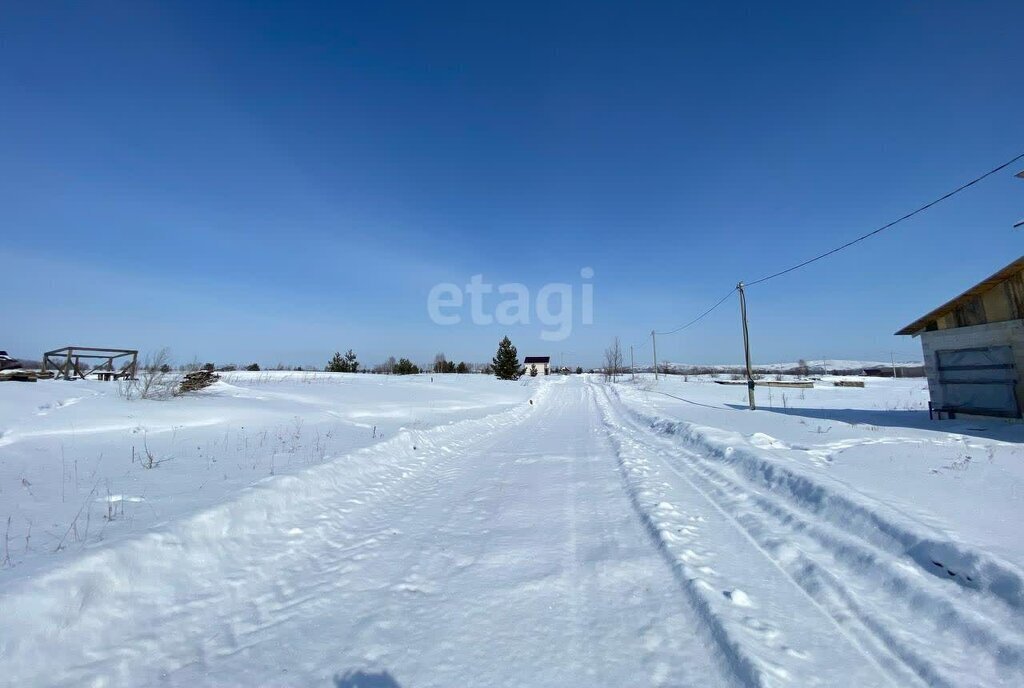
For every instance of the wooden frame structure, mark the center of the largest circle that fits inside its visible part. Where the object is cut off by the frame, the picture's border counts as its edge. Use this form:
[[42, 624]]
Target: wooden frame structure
[[67, 362]]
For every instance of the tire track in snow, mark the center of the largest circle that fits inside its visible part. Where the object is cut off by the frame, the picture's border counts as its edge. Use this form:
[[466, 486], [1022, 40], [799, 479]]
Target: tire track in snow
[[499, 552], [733, 661], [691, 569], [841, 575], [861, 536], [212, 562]]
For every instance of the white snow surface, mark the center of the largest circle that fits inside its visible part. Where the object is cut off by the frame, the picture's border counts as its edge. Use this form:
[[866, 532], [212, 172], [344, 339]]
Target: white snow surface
[[65, 445], [633, 534]]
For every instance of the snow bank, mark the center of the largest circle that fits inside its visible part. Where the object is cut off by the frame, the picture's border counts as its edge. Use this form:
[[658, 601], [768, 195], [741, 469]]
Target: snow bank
[[67, 448], [936, 553], [82, 604], [893, 584]]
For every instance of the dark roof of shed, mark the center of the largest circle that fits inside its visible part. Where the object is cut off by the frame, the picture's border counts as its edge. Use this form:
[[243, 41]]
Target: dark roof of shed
[[978, 289], [537, 359]]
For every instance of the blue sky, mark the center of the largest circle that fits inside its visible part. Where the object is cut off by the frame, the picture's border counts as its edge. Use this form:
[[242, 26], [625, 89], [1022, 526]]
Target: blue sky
[[273, 181]]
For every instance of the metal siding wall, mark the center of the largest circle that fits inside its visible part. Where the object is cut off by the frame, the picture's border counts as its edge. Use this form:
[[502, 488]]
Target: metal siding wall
[[1010, 333]]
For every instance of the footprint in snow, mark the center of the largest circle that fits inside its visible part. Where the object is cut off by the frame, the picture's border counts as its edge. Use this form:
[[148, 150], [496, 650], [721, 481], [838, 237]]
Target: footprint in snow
[[738, 597]]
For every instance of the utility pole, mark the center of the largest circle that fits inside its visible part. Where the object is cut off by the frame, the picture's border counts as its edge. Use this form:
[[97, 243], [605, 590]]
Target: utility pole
[[632, 373], [892, 356], [746, 345], [1018, 225], [654, 347]]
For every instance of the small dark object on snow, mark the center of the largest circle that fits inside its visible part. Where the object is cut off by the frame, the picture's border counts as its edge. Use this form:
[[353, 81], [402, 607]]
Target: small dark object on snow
[[19, 376], [365, 679], [197, 380], [531, 402], [7, 362]]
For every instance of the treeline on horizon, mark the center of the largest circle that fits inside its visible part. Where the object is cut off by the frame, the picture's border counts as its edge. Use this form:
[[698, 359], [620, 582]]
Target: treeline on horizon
[[505, 365]]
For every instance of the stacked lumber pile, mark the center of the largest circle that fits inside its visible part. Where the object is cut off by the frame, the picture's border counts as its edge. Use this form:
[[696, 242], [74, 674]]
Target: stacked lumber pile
[[20, 375], [197, 380], [800, 384]]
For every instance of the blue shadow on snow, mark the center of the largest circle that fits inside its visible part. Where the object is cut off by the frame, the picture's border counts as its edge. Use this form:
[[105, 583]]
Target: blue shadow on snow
[[365, 679]]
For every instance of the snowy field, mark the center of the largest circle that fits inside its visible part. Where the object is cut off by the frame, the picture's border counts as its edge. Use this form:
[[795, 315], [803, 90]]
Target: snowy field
[[75, 458], [301, 529]]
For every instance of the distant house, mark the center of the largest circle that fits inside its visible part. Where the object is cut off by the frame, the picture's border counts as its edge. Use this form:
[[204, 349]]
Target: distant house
[[7, 362], [974, 347], [541, 363]]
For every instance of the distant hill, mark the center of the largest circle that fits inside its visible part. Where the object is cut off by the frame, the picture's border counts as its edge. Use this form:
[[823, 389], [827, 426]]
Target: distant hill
[[813, 367]]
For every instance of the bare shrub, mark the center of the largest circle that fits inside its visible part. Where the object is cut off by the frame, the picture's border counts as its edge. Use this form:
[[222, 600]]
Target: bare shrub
[[155, 382], [128, 389], [7, 546], [613, 360], [147, 459], [153, 379]]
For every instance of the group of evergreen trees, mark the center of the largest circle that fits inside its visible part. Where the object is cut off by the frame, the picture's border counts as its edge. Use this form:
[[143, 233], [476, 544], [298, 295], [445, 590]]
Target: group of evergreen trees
[[505, 364], [443, 365], [405, 367], [343, 364]]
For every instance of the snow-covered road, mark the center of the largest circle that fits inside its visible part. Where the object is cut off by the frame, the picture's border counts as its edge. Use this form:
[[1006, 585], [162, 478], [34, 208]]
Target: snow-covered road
[[809, 585], [561, 543]]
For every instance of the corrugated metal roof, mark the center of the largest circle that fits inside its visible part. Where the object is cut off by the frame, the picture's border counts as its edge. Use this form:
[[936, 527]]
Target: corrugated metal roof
[[537, 359], [978, 289]]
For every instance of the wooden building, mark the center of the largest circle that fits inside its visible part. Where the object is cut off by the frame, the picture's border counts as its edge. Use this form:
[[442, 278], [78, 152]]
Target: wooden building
[[974, 347]]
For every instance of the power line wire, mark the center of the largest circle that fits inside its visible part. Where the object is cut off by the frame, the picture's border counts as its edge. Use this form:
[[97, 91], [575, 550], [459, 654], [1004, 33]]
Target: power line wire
[[894, 222], [701, 316], [859, 239]]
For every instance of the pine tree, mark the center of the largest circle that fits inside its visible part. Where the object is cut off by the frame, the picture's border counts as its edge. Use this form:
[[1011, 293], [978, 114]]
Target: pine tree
[[506, 361], [351, 362], [405, 367], [253, 367], [337, 364], [533, 371], [462, 368]]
